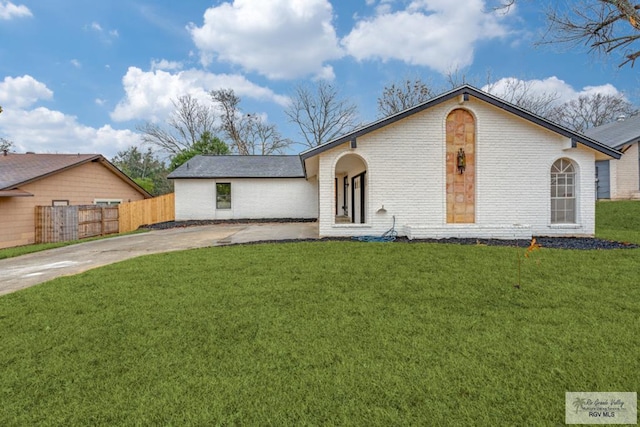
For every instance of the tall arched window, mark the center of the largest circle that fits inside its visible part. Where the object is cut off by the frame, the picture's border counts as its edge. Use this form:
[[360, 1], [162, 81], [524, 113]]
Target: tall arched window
[[563, 192]]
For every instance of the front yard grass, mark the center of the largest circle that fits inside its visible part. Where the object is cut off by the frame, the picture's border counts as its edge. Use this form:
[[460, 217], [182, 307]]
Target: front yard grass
[[317, 333], [619, 220]]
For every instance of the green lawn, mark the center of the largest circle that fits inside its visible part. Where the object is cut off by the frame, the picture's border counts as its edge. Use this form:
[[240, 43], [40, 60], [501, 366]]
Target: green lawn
[[317, 333], [618, 220]]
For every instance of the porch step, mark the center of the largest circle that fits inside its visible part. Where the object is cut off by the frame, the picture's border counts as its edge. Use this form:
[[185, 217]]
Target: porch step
[[343, 219]]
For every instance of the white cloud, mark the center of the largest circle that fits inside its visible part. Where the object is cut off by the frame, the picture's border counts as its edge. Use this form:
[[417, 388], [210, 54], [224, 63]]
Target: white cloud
[[76, 63], [47, 131], [22, 92], [106, 35], [44, 130], [100, 101], [166, 65], [551, 85], [9, 10], [149, 94], [280, 39], [440, 34]]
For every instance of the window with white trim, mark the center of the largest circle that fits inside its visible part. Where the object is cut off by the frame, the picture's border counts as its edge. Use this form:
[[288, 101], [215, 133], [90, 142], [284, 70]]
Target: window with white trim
[[563, 192]]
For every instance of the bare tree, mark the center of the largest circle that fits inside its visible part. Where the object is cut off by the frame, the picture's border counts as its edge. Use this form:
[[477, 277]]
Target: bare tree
[[231, 118], [604, 26], [403, 94], [187, 123], [320, 113], [248, 133], [5, 144], [457, 77], [524, 94], [593, 110]]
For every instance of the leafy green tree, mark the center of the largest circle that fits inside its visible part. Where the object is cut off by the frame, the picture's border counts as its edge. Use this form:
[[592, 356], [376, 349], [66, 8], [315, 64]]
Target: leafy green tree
[[207, 144], [145, 169]]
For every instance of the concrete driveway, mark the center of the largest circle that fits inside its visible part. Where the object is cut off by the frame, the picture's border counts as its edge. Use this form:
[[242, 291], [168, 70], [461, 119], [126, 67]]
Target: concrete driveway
[[28, 270]]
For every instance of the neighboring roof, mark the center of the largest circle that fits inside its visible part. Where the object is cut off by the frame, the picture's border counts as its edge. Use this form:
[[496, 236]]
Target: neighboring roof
[[20, 169], [209, 166], [465, 91], [617, 134]]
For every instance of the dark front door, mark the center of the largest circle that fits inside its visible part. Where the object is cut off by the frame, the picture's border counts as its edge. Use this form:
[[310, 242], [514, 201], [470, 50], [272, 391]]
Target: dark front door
[[357, 199], [345, 192], [603, 185]]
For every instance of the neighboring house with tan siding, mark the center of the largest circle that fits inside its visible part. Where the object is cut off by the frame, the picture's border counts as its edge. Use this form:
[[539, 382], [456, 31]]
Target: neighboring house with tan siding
[[30, 180], [619, 179]]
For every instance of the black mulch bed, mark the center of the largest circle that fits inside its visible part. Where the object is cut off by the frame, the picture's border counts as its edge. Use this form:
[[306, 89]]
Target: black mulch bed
[[582, 243]]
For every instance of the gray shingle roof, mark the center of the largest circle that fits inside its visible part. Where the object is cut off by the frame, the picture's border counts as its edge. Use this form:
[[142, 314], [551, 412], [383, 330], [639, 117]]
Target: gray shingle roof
[[19, 169], [618, 133], [209, 166]]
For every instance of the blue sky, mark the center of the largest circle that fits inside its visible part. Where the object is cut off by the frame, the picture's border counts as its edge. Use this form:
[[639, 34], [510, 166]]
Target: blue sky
[[78, 76]]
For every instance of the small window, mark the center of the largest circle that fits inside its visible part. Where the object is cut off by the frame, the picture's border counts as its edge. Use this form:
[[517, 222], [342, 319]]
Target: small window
[[563, 192], [60, 203], [107, 202], [223, 195]]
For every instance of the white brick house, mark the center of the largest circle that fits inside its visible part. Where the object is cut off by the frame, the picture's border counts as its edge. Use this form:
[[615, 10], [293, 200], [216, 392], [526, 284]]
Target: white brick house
[[464, 164], [243, 187]]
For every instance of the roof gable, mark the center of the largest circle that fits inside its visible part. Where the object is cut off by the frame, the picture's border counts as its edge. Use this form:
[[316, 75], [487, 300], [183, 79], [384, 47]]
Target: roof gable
[[617, 134], [464, 92], [234, 166], [20, 169]]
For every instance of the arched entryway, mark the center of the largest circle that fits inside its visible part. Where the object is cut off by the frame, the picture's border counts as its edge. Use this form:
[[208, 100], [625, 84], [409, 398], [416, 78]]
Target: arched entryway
[[461, 173], [350, 190]]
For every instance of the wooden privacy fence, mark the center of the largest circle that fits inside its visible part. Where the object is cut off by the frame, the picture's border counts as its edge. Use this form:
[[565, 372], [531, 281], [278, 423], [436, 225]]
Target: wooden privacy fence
[[65, 223], [145, 212]]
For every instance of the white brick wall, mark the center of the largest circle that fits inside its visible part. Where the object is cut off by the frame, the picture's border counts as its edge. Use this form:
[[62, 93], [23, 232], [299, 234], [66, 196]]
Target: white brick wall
[[250, 199], [406, 172], [625, 174]]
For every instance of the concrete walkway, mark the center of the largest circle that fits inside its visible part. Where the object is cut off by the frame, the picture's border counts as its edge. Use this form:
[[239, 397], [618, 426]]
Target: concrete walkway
[[28, 270]]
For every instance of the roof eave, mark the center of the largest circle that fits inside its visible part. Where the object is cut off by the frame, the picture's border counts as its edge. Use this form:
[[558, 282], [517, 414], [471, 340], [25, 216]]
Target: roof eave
[[236, 177], [16, 192]]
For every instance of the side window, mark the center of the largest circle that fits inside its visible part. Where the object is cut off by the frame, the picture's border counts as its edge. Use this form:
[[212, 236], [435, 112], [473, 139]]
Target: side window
[[223, 195], [563, 192], [107, 202]]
